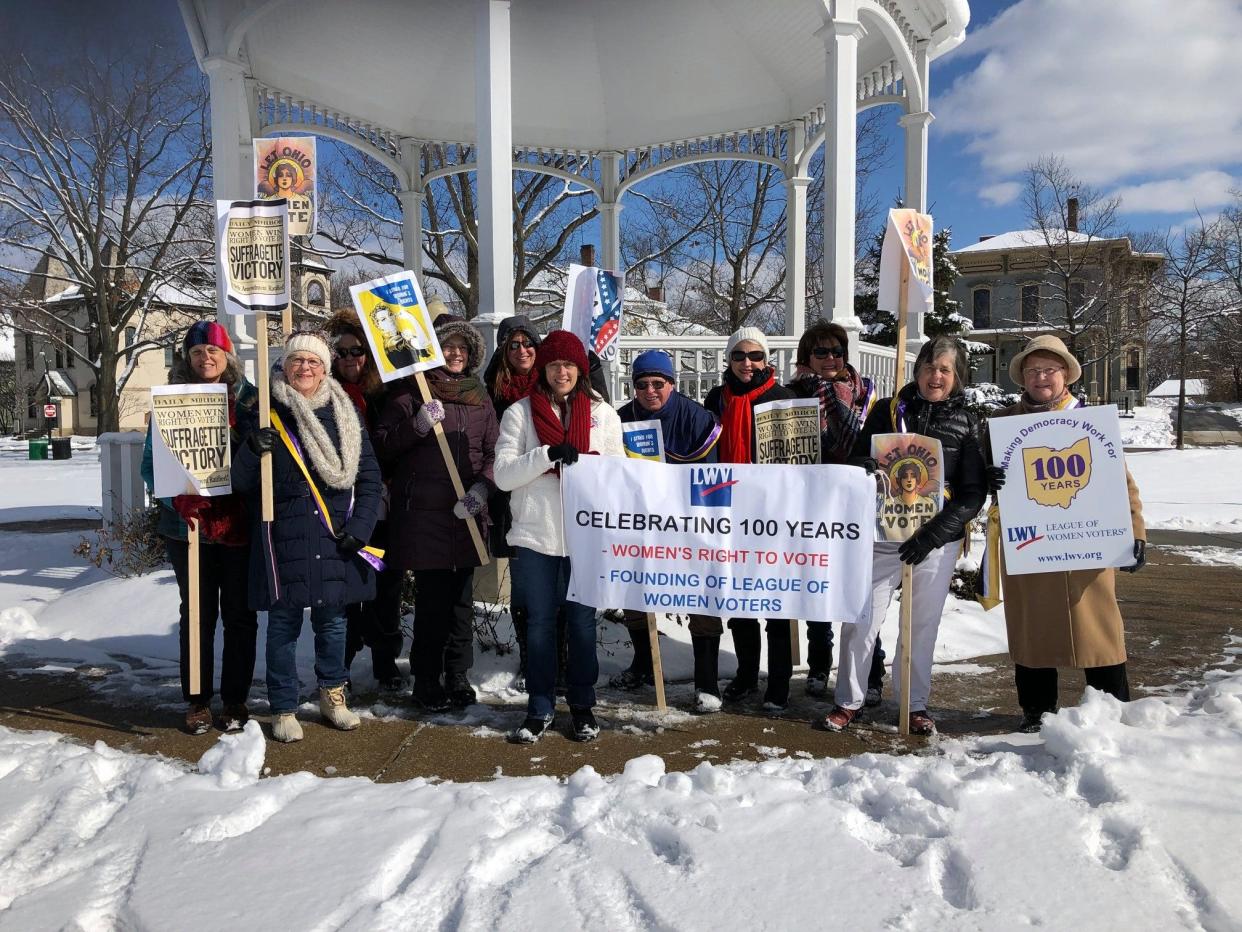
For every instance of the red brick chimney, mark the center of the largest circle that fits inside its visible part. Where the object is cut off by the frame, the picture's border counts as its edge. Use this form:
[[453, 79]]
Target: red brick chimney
[[586, 255], [655, 292], [1071, 215]]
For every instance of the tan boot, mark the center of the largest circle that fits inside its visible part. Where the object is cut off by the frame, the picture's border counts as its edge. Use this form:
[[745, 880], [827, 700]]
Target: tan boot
[[334, 710], [285, 728]]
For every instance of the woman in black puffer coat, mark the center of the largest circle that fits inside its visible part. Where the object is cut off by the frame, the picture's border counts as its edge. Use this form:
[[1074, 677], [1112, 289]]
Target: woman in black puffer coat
[[934, 405]]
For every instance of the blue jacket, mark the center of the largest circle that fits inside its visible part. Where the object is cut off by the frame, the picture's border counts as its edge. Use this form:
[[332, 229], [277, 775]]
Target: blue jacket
[[295, 562]]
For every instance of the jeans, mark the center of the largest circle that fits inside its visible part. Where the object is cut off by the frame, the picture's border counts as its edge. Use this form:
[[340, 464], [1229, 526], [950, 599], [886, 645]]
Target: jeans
[[443, 624], [283, 627], [221, 593], [541, 582]]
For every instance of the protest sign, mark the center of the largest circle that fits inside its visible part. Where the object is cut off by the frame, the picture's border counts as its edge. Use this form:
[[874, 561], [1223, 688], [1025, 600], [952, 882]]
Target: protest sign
[[190, 440], [252, 255], [397, 324], [908, 242], [915, 490], [729, 540], [285, 167], [643, 440], [787, 431], [593, 308], [1065, 504]]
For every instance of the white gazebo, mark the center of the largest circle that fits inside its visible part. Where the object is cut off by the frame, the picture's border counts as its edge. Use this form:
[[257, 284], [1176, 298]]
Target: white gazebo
[[628, 88]]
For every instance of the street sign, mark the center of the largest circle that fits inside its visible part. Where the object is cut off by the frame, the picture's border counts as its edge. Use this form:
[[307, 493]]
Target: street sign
[[49, 411]]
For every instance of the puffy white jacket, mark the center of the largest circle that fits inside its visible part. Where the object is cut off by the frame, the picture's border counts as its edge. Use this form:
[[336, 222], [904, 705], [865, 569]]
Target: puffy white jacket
[[522, 465]]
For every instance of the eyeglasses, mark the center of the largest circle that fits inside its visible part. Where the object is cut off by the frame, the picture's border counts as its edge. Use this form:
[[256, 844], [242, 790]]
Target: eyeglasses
[[823, 352], [1043, 373], [345, 352], [515, 345], [754, 355], [651, 384], [455, 348], [305, 362]]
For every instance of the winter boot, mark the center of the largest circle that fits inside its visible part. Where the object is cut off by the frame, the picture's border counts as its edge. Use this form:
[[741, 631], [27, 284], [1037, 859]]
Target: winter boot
[[531, 730], [780, 667], [286, 728], [641, 672], [460, 692], [198, 718], [746, 646], [335, 711], [431, 695], [706, 673], [235, 717], [519, 634], [585, 728]]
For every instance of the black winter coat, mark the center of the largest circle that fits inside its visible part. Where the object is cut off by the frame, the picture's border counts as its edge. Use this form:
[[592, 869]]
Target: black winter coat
[[714, 402], [957, 429], [302, 565]]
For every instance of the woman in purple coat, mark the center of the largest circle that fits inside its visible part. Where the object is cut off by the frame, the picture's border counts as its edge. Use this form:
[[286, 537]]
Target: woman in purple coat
[[427, 521]]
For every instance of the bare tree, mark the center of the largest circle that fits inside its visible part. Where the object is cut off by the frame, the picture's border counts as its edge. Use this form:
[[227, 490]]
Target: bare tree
[[103, 164], [1223, 345]]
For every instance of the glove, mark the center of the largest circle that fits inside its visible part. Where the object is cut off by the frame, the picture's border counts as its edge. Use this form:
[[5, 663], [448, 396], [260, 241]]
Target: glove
[[472, 502], [565, 453], [349, 544], [1140, 557], [915, 550], [262, 440], [429, 415], [189, 507], [866, 463], [995, 478]]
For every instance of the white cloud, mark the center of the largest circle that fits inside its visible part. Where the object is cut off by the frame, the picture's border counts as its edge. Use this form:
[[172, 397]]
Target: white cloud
[[1120, 91], [998, 195], [1204, 190]]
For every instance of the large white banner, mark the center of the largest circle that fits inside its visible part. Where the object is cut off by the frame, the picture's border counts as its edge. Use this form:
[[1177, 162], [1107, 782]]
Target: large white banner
[[1064, 505], [724, 540]]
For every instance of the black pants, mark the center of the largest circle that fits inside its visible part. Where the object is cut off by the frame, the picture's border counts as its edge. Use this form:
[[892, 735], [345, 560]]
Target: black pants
[[377, 624], [223, 575], [819, 640], [443, 623], [1037, 686]]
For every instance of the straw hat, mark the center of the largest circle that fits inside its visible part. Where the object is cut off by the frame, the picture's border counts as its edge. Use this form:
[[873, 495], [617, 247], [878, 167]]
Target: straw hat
[[1046, 343]]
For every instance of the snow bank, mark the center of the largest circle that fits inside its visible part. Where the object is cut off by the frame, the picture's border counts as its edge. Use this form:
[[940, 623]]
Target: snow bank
[[1190, 490], [36, 490], [1134, 808]]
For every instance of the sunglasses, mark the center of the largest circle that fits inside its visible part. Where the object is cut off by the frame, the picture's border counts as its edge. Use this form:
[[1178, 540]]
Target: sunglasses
[[646, 384], [754, 355], [520, 345], [346, 352], [823, 352]]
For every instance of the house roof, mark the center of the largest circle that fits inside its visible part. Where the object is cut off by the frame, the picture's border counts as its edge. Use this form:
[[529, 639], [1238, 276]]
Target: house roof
[[1024, 239], [60, 383], [169, 295], [1170, 388]]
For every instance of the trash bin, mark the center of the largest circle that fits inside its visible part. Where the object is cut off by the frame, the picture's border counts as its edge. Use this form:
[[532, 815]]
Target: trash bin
[[38, 448], [61, 448]]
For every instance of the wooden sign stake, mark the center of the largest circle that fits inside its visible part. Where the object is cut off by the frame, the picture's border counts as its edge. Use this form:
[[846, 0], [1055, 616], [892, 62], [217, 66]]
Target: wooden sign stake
[[657, 665], [195, 659], [907, 571], [263, 378], [458, 488]]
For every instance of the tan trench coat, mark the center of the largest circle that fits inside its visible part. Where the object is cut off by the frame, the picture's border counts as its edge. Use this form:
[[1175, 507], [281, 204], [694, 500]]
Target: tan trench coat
[[1067, 619]]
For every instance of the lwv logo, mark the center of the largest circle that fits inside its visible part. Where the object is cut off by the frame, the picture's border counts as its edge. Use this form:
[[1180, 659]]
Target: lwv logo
[[711, 486], [1023, 535]]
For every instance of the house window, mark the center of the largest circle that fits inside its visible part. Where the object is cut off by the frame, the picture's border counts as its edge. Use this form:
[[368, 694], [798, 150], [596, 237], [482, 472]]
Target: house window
[[60, 357], [1132, 309], [1030, 304], [1132, 370], [170, 355], [69, 354], [1077, 296], [314, 294], [28, 340], [982, 307], [131, 334]]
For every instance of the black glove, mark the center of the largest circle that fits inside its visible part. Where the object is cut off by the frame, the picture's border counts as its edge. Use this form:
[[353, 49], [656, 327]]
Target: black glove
[[565, 453], [995, 478], [865, 463], [349, 544], [1140, 557], [915, 550], [262, 440]]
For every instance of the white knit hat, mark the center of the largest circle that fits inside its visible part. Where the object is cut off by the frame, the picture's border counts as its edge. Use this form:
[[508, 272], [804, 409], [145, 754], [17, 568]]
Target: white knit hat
[[310, 342], [754, 334]]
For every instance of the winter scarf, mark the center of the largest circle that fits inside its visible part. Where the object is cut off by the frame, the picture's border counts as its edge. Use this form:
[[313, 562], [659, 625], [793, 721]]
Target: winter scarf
[[455, 389], [514, 387], [575, 429], [737, 424], [339, 469], [1065, 400], [357, 396], [843, 403], [689, 429]]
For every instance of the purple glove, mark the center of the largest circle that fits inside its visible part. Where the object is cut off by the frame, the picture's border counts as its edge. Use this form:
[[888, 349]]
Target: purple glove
[[429, 415], [472, 502]]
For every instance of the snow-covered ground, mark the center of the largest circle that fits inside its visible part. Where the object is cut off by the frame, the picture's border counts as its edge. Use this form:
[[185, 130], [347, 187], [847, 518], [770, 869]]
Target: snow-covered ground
[[35, 490], [1190, 490], [1151, 426]]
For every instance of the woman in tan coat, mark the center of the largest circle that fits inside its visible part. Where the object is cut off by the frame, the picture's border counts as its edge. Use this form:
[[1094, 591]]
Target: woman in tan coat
[[1067, 619]]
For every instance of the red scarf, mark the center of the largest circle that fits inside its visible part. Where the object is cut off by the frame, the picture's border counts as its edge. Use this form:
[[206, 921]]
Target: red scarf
[[354, 391], [515, 387], [737, 422], [575, 429]]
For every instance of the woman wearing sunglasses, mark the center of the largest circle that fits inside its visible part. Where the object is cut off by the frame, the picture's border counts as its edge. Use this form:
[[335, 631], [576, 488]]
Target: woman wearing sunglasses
[[749, 380], [824, 372], [375, 624]]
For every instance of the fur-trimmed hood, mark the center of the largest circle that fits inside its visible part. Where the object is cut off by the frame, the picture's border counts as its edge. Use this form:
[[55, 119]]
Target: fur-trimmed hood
[[449, 325]]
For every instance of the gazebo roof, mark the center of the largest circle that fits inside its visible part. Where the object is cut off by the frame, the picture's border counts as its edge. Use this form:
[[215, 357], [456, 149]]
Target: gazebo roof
[[589, 75]]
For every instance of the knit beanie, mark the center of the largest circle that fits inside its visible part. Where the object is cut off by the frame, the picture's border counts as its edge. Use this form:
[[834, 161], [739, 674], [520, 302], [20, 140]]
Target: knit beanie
[[561, 344], [312, 342], [208, 333], [652, 362], [754, 334]]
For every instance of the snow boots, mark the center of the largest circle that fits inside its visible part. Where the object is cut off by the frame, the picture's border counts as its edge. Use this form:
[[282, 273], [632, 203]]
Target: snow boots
[[460, 692], [641, 671], [198, 718], [706, 673], [531, 730], [335, 711], [286, 728], [585, 728]]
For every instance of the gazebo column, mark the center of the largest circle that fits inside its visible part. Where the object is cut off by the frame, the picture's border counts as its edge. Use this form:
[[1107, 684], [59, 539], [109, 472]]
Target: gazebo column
[[795, 231], [232, 168], [610, 214], [412, 196], [840, 155], [493, 117], [915, 125]]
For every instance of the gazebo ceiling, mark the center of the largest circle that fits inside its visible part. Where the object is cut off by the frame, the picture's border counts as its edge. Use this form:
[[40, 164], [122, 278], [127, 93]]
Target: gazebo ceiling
[[587, 74]]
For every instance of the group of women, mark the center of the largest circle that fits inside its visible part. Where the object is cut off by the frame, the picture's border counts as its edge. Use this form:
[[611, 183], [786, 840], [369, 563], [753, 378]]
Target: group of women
[[358, 463]]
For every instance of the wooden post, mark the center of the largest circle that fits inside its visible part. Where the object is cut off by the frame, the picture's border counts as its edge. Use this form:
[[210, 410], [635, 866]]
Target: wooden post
[[907, 571], [795, 645], [657, 665], [458, 488], [195, 659], [263, 377]]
